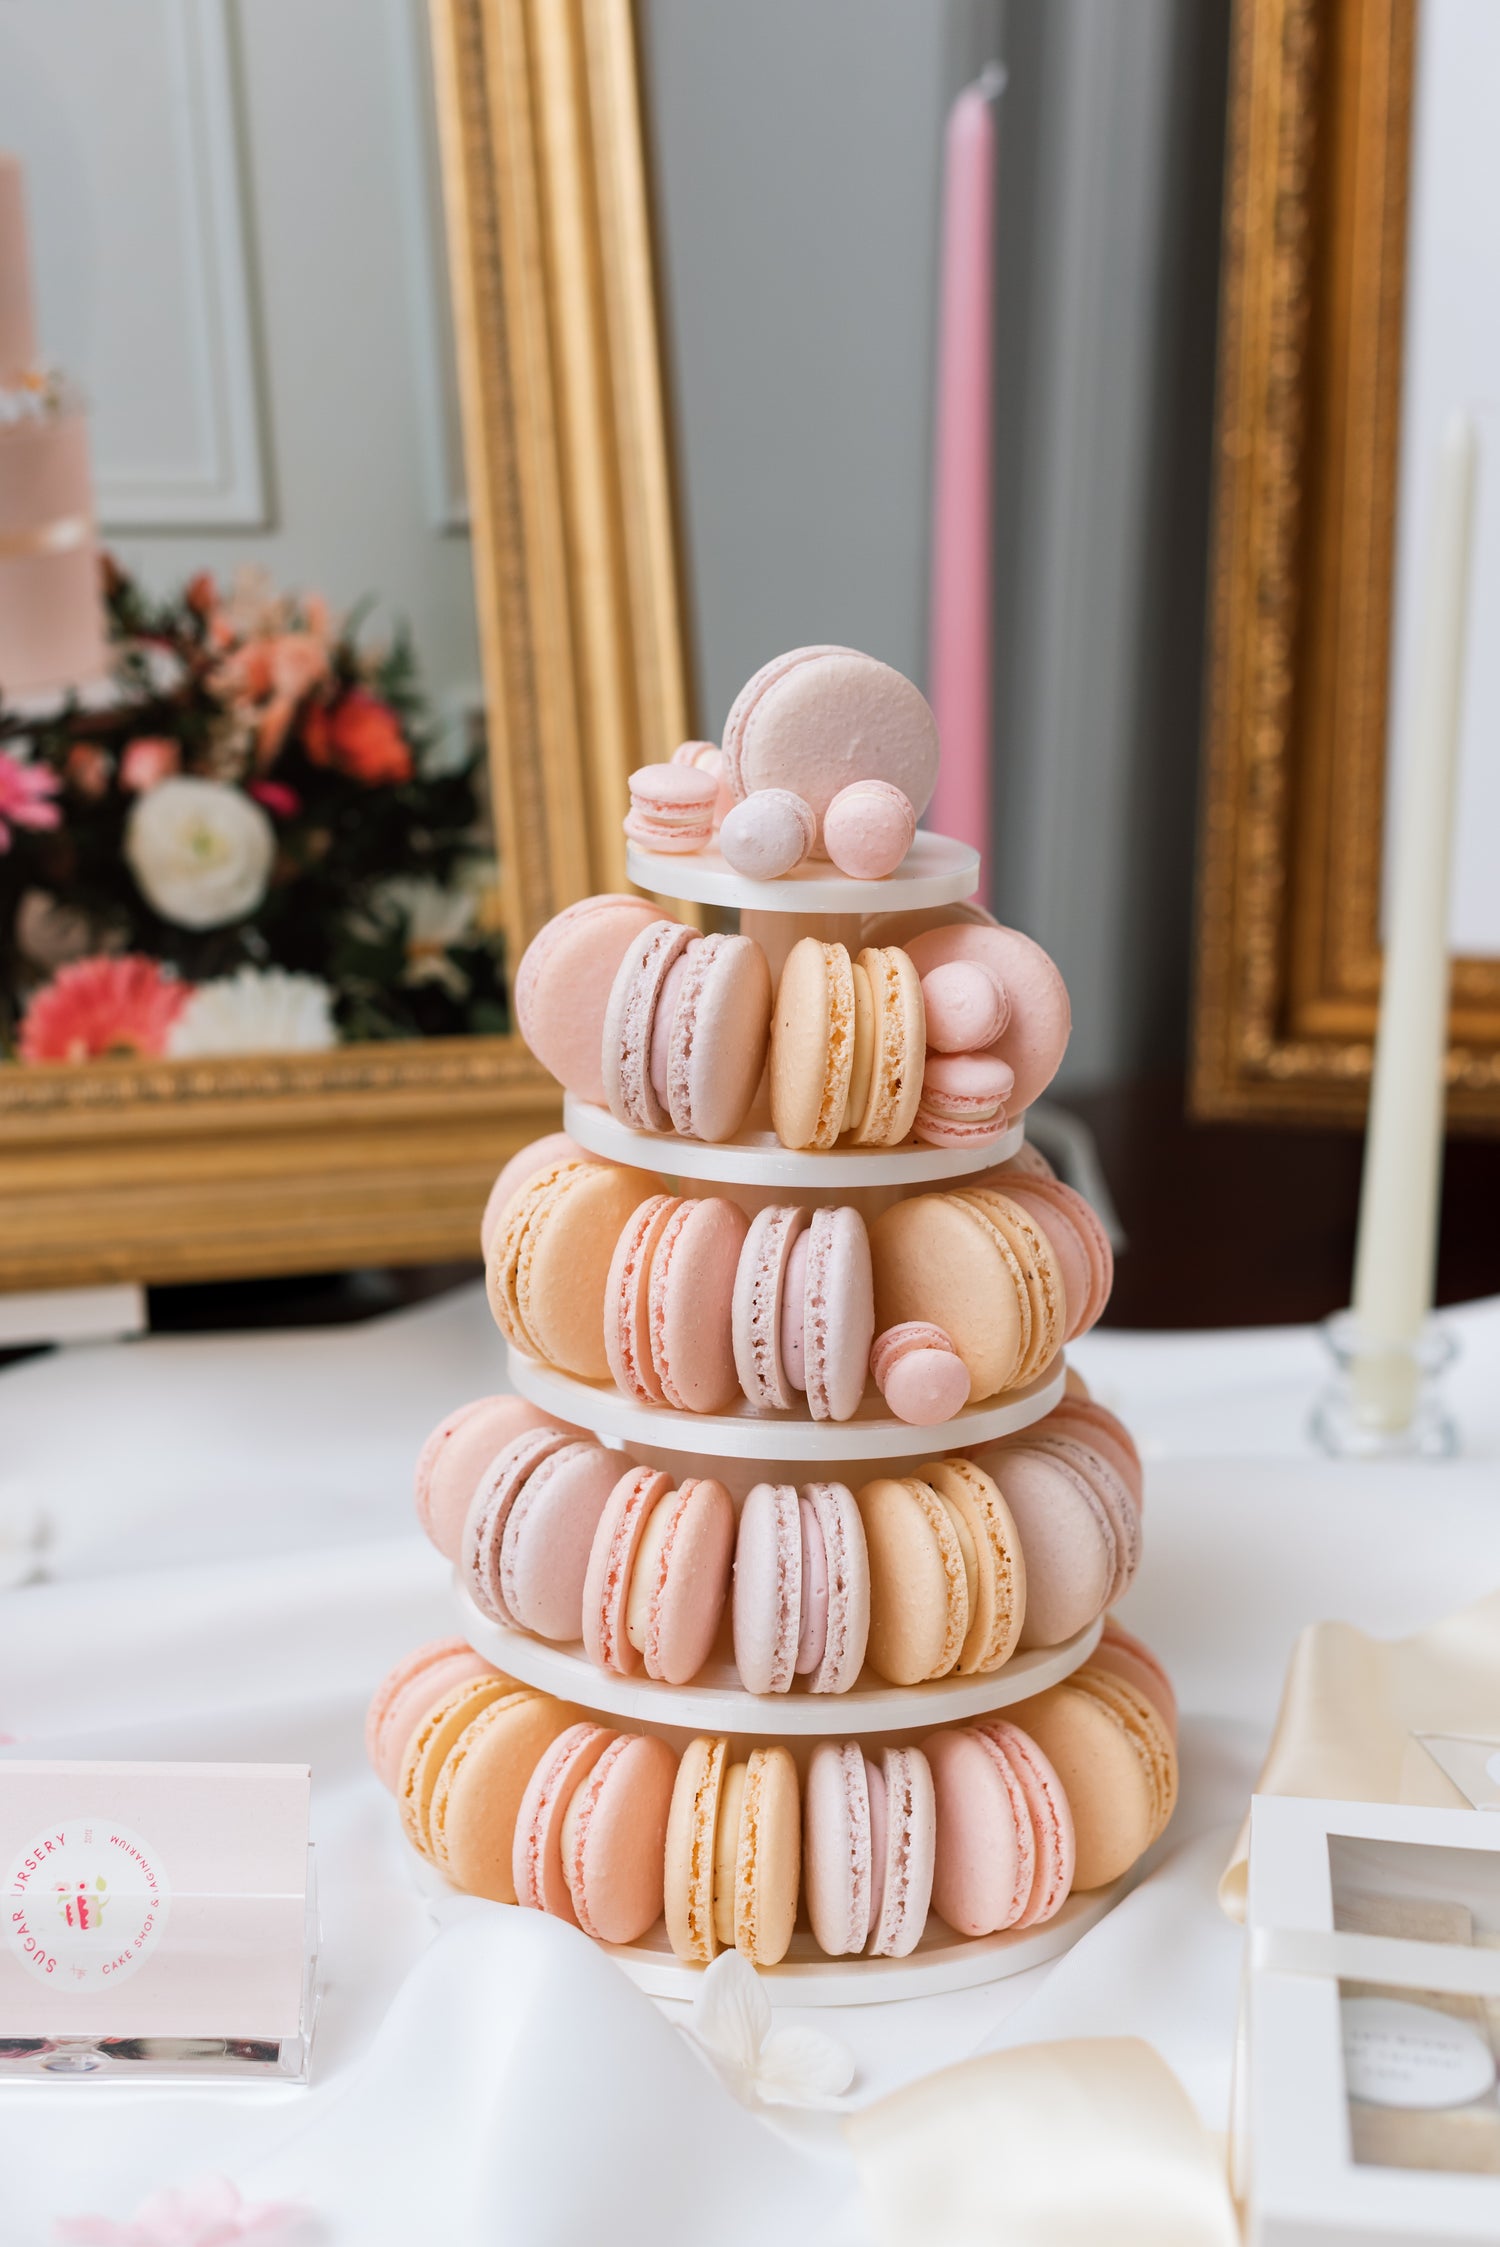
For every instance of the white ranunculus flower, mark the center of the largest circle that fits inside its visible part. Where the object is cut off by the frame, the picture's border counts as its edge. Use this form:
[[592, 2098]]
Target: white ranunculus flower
[[201, 852], [255, 1010]]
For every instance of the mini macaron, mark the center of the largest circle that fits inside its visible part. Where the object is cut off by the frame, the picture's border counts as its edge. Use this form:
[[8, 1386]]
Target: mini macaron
[[869, 1839], [457, 1453], [1005, 1838], [1128, 1657], [709, 1030], [612, 1839], [801, 1601], [963, 1099], [679, 1579], [707, 756], [550, 1267], [919, 1373], [1035, 1035], [868, 829], [671, 807], [803, 1314], [940, 1260], [405, 1694], [768, 834], [966, 1007], [536, 1855], [1114, 1755], [1068, 1534], [563, 983], [530, 1529], [552, 1147], [816, 719], [478, 1791], [812, 1044], [758, 1856]]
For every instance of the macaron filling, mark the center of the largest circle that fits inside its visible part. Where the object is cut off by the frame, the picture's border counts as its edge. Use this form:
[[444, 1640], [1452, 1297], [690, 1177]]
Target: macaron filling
[[812, 1638]]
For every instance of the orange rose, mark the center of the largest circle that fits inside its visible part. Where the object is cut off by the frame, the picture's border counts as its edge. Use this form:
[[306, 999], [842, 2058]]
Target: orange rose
[[359, 736]]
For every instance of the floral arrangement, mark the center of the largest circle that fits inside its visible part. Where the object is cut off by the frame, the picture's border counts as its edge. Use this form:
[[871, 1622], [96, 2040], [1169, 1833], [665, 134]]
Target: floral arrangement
[[259, 843]]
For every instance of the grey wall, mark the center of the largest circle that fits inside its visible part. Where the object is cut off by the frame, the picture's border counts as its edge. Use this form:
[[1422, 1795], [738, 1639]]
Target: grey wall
[[798, 150]]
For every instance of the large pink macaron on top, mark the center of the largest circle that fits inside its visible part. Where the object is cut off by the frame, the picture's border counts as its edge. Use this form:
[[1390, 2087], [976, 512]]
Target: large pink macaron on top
[[868, 829], [818, 718], [456, 1455], [538, 1154], [1035, 1036], [563, 984], [403, 1697]]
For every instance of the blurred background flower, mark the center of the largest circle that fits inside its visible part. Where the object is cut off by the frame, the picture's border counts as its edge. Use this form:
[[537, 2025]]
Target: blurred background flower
[[255, 1010], [100, 1007]]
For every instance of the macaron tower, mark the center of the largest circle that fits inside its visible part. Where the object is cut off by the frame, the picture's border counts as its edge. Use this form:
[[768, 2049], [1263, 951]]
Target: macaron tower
[[782, 1584]]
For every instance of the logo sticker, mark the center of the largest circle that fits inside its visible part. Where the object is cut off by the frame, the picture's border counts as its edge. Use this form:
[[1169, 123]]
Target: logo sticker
[[85, 1903]]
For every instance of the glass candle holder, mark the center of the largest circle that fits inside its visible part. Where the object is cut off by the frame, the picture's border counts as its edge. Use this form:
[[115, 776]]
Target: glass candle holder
[[1386, 1401]]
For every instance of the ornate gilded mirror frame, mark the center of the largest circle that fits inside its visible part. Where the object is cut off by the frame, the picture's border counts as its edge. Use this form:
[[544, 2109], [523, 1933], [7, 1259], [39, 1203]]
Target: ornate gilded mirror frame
[[383, 1153], [1303, 563]]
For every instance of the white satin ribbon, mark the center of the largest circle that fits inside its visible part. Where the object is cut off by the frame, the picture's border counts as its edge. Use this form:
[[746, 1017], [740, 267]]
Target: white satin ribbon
[[1391, 1960], [1076, 2144]]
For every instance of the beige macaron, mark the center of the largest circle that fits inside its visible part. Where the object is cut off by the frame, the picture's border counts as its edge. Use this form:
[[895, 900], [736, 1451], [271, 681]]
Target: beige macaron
[[883, 1098], [920, 1576], [427, 1750], [1115, 1757], [997, 1608], [549, 1268], [758, 1856], [692, 1829], [812, 1044], [940, 1259], [1038, 1261], [478, 1789]]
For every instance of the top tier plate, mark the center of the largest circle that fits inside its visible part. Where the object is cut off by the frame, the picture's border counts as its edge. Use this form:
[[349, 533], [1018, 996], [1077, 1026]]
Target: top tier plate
[[757, 1158], [935, 871]]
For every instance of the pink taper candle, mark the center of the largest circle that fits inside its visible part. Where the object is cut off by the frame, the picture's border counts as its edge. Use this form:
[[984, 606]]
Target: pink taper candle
[[959, 625]]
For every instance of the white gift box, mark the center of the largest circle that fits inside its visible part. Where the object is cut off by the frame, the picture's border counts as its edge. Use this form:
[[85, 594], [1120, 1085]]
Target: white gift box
[[1366, 2112]]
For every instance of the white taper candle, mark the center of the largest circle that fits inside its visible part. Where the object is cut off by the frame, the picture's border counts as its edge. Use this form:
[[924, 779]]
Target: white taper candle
[[1396, 1251]]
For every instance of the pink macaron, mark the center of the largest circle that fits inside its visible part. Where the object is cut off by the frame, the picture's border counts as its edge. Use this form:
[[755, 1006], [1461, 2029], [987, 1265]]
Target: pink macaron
[[768, 834], [1079, 1241], [965, 1007], [963, 1099], [869, 1848], [707, 756], [1121, 1652], [679, 1579], [1070, 1535], [563, 984], [671, 807], [1035, 1036], [710, 1026], [625, 1049], [690, 1303], [539, 1154], [456, 1454], [1005, 1843], [530, 1529], [801, 1603], [818, 718], [613, 1838], [804, 1310], [1089, 1422], [868, 829], [918, 1371], [537, 1867], [405, 1694], [606, 1584]]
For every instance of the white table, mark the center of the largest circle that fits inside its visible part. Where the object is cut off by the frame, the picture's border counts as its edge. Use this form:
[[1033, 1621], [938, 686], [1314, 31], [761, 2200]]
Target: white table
[[233, 1566]]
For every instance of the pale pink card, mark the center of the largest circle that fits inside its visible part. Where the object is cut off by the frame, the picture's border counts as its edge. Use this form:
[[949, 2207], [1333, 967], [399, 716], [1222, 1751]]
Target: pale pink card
[[153, 1899]]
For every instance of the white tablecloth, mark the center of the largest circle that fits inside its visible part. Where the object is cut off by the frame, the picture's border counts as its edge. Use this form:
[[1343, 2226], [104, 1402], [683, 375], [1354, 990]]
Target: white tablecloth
[[232, 1566]]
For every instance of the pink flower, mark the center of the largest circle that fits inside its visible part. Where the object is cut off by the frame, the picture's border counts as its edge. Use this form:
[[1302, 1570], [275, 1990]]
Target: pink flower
[[102, 1006], [207, 2213], [26, 793], [202, 593], [279, 800], [147, 763], [89, 769]]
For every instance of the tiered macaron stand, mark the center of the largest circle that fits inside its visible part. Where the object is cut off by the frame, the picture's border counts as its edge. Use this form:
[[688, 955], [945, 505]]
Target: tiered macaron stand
[[743, 1446]]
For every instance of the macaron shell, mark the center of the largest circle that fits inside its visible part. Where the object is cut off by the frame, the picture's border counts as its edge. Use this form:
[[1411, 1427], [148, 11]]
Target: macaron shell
[[719, 1037], [909, 1828], [837, 1847], [986, 1846], [1148, 1733], [427, 1750], [1066, 1536], [999, 1608], [812, 1044], [1051, 1820], [1126, 1656], [606, 1583], [937, 1260], [768, 1857], [478, 1793], [627, 1299], [1072, 1224], [1113, 1496], [1035, 1037], [489, 1510], [629, 1020], [838, 1313], [552, 1147], [614, 1838], [767, 1596], [1038, 1263], [1106, 1778], [563, 983], [817, 719], [692, 1825], [847, 1565], [900, 1048], [536, 1858], [755, 1315], [918, 1593], [544, 1552], [687, 1601], [692, 1291]]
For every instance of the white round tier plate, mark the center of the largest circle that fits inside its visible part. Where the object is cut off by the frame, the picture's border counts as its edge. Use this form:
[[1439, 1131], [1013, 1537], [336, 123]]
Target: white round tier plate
[[941, 1961], [744, 1434], [935, 871], [758, 1158], [716, 1702]]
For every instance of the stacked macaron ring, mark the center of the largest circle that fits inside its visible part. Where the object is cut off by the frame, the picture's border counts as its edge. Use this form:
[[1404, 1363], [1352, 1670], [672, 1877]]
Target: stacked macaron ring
[[786, 1593]]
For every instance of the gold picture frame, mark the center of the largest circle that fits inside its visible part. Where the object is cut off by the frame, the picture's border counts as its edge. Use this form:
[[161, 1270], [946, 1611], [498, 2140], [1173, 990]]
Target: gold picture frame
[[1302, 575], [383, 1153]]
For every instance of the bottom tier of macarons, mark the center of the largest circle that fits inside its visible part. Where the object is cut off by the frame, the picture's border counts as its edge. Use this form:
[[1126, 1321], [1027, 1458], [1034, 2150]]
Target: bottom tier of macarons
[[516, 1796]]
